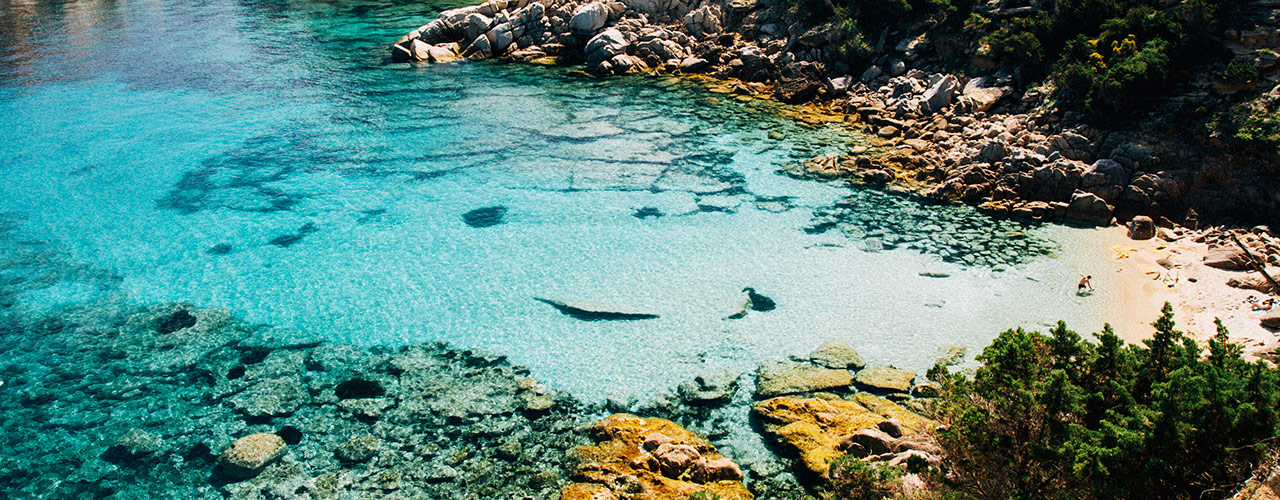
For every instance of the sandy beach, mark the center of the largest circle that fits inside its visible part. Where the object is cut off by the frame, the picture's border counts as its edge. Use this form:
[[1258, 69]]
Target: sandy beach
[[1146, 274]]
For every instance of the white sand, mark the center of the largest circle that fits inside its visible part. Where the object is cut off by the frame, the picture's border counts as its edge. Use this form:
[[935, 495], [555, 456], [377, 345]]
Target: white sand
[[1198, 293]]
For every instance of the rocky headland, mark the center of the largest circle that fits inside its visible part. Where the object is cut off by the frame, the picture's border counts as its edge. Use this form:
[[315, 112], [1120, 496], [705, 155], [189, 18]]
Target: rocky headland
[[987, 136]]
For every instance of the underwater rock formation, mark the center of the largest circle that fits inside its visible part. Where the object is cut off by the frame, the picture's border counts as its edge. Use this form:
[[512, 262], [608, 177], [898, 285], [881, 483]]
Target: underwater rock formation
[[176, 401]]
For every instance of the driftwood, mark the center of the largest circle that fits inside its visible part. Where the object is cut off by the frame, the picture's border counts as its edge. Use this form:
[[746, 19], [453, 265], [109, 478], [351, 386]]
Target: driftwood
[[1253, 262]]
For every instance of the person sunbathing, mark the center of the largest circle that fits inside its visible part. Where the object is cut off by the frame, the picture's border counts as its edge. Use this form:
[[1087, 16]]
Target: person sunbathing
[[1264, 305]]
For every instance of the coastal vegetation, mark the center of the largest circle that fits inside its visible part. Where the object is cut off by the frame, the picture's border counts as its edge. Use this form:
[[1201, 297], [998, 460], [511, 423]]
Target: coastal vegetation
[[1056, 416]]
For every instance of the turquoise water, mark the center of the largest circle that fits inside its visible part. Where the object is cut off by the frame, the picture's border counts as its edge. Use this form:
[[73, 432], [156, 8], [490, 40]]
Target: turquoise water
[[267, 158]]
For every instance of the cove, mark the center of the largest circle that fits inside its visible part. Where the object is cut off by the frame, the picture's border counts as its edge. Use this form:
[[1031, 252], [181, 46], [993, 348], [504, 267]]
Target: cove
[[297, 177]]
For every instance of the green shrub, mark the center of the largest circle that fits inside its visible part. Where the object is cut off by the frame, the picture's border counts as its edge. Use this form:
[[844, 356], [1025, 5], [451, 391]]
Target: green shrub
[[1056, 417], [850, 478], [1242, 72], [704, 495]]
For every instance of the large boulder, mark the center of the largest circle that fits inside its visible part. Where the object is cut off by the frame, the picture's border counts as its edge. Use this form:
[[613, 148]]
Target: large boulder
[[1271, 320], [776, 379], [1089, 208], [1228, 257], [1142, 228], [476, 24], [982, 99], [938, 97], [604, 46], [247, 456], [589, 18], [651, 458], [837, 354], [814, 428], [500, 38], [886, 379], [1105, 178], [703, 21], [479, 48]]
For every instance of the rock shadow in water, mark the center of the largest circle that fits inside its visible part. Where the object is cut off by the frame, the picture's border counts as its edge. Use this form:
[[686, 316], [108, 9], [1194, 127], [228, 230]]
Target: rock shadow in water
[[485, 217]]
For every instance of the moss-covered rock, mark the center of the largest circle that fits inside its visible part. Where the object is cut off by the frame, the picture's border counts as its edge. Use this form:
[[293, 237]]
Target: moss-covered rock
[[651, 459], [813, 428]]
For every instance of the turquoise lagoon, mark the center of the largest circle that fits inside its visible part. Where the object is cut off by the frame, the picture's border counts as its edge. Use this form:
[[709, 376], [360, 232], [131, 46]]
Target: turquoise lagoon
[[267, 158]]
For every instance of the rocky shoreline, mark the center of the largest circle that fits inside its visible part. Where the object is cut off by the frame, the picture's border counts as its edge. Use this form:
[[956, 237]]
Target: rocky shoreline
[[985, 140], [175, 400]]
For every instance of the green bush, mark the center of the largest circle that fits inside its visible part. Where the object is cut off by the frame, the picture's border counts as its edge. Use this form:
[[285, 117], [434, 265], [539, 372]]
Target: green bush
[[850, 478], [704, 495], [1056, 417]]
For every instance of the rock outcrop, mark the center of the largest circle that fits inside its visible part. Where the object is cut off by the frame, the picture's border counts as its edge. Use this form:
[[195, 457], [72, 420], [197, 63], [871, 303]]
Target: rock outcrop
[[776, 379], [818, 430], [247, 456], [653, 459]]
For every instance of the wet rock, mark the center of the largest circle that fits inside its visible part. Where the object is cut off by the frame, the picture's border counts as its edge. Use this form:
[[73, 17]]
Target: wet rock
[[247, 456], [143, 341], [592, 311], [837, 354], [485, 217], [619, 402], [271, 398], [134, 448], [741, 306], [358, 449], [1142, 228], [710, 388], [814, 428], [776, 379], [672, 463], [951, 354], [883, 378]]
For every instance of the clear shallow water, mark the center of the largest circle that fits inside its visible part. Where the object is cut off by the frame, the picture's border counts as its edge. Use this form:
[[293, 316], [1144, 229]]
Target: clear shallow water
[[266, 158]]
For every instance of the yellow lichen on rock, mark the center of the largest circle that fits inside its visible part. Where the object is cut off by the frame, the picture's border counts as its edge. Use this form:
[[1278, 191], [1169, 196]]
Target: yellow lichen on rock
[[813, 428], [651, 459]]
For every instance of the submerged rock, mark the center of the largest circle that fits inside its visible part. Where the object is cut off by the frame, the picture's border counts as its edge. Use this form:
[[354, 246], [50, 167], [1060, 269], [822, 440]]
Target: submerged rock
[[485, 217], [592, 311], [651, 458], [886, 379], [776, 379], [247, 456], [710, 388], [837, 354], [759, 302]]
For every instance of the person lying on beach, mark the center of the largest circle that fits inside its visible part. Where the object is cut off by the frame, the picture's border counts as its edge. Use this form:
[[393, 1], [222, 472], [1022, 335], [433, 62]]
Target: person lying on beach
[[1265, 305]]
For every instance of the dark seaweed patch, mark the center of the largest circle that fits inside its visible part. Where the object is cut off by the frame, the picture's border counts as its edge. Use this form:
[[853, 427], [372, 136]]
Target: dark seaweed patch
[[176, 321], [358, 388]]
